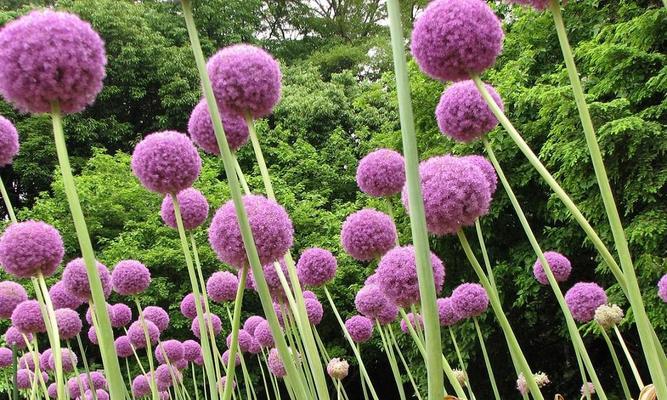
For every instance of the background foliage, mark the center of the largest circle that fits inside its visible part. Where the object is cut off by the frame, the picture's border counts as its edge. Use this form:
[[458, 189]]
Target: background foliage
[[338, 104]]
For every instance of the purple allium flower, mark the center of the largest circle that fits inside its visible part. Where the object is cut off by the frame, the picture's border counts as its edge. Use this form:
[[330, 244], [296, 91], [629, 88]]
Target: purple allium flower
[[69, 323], [245, 340], [200, 128], [89, 313], [62, 298], [263, 334], [6, 357], [173, 349], [662, 288], [583, 299], [11, 294], [337, 368], [9, 141], [52, 390], [360, 328], [455, 193], [416, 321], [246, 79], [255, 347], [13, 337], [381, 173], [397, 275], [487, 169], [30, 247], [194, 209], [307, 294], [24, 378], [316, 267], [251, 323], [48, 57], [98, 378], [73, 386], [314, 310], [271, 228], [141, 386], [455, 38], [368, 234], [43, 360], [587, 389], [181, 364], [222, 286], [92, 336], [27, 317], [130, 277], [121, 315], [191, 350], [223, 382], [469, 300], [100, 394], [158, 316], [166, 162], [123, 346], [215, 322], [370, 301], [539, 5], [272, 279], [462, 113], [276, 366], [69, 360], [188, 306], [26, 361], [136, 333], [225, 358], [559, 264], [446, 312], [388, 313], [75, 278]]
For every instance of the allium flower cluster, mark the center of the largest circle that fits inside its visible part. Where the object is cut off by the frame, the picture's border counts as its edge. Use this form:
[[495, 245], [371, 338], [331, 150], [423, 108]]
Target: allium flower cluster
[[337, 368], [270, 225], [5, 357], [200, 128], [559, 264], [381, 173], [608, 315], [271, 277], [62, 298], [360, 328], [29, 248], [193, 208], [487, 169], [136, 333], [130, 277], [463, 114], [469, 300], [158, 316], [222, 286], [69, 360], [123, 346], [166, 375], [583, 299], [225, 358], [446, 312], [9, 141], [14, 337], [368, 234], [27, 317], [251, 323], [171, 350], [263, 334], [314, 310], [121, 315], [11, 294], [216, 323], [370, 301], [69, 323], [191, 350], [141, 386], [189, 307], [662, 288], [276, 365], [388, 314], [416, 321], [316, 267], [75, 279]]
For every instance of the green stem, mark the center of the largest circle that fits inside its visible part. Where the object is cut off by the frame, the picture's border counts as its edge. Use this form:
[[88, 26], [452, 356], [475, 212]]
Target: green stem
[[149, 351], [236, 324], [239, 173], [485, 255], [492, 377], [129, 376], [76, 372], [617, 364], [261, 369], [512, 342], [417, 216], [633, 366], [249, 387], [104, 334], [54, 336], [363, 382], [194, 381], [15, 389], [390, 331], [620, 241], [392, 361], [8, 203], [461, 363], [85, 364]]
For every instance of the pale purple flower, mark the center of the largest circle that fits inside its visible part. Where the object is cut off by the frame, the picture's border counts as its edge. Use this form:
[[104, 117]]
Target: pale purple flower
[[9, 141], [381, 173], [200, 128], [193, 208], [368, 234], [583, 299], [316, 267], [29, 248], [130, 277], [559, 264], [462, 113], [11, 294]]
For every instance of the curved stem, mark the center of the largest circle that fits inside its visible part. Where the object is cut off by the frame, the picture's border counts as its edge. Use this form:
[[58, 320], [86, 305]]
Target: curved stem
[[633, 366], [617, 364], [392, 361], [239, 173], [8, 203], [54, 336], [15, 389], [149, 351], [485, 255], [492, 377], [236, 323], [390, 332]]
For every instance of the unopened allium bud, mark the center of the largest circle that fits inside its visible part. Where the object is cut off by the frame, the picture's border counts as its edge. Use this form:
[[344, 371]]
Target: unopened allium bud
[[541, 379], [587, 389], [608, 315], [337, 368], [460, 376], [521, 384]]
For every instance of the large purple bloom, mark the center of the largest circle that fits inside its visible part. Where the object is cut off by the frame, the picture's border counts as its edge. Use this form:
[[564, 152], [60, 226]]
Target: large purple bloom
[[381, 173], [462, 113], [559, 264], [9, 141], [316, 267], [368, 234], [11, 294], [29, 248], [27, 317], [75, 278], [200, 128], [130, 277], [222, 286], [69, 323], [62, 298], [360, 328], [469, 300], [446, 312], [193, 207], [583, 299]]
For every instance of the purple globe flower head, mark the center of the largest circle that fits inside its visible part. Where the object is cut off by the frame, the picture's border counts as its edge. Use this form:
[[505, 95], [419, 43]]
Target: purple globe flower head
[[14, 337], [52, 390], [583, 299], [215, 322], [5, 357], [121, 315], [360, 328], [307, 294], [158, 316], [69, 360], [244, 339], [136, 333], [164, 395], [487, 169], [98, 379], [279, 314], [75, 278], [171, 349], [455, 194], [89, 313], [446, 312], [27, 317], [246, 80], [462, 113], [200, 128], [370, 301], [276, 366], [62, 298], [316, 267], [191, 350], [255, 347], [48, 57], [469, 300], [416, 321], [314, 310], [225, 358], [73, 387], [223, 382], [381, 173], [368, 234], [11, 294], [28, 362], [371, 280], [453, 39], [181, 364], [662, 288], [123, 346], [30, 248], [199, 361], [69, 323], [141, 386], [251, 323], [397, 275], [188, 306], [24, 378], [9, 141], [130, 277], [270, 225], [263, 334], [388, 313], [194, 209], [43, 361], [92, 336], [272, 279], [539, 5], [166, 162], [559, 264], [100, 394], [222, 286]]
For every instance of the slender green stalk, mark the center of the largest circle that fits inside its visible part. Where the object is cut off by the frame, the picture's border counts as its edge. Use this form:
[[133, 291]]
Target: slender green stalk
[[582, 371], [104, 334], [85, 362], [129, 376], [246, 233], [55, 336], [149, 351], [363, 383], [249, 387], [274, 383], [485, 255], [261, 369], [293, 333], [8, 203], [461, 363], [390, 332], [392, 361], [236, 323], [617, 364], [194, 381], [643, 323], [239, 173], [633, 366], [15, 389], [489, 370], [575, 336], [513, 344], [417, 216]]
